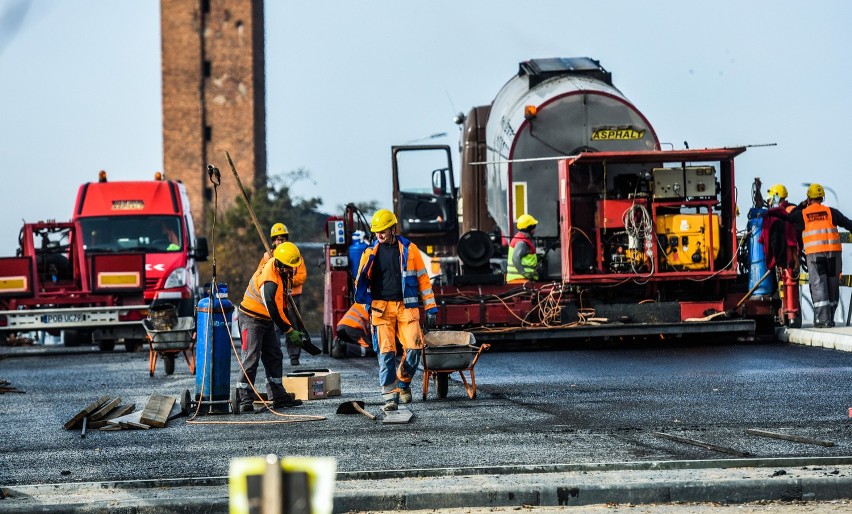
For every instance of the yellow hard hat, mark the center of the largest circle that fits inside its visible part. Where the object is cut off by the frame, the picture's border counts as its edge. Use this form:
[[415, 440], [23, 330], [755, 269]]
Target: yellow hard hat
[[383, 219], [279, 229], [288, 255], [778, 189], [525, 221], [816, 191]]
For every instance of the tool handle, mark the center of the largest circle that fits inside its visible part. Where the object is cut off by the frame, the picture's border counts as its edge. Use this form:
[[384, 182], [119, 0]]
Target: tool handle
[[362, 411], [248, 205]]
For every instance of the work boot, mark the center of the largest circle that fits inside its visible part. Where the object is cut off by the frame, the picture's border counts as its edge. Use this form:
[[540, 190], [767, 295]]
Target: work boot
[[338, 349], [405, 395], [246, 406], [286, 402], [390, 405], [294, 361]]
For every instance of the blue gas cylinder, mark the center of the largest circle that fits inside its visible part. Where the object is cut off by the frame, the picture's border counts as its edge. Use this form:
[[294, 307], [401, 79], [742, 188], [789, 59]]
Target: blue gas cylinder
[[355, 250], [213, 349], [757, 257]]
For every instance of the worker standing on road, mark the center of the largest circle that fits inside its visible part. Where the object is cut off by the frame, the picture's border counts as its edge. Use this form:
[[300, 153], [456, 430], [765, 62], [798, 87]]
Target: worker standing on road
[[392, 279], [354, 337], [522, 264], [279, 234], [821, 244], [262, 309]]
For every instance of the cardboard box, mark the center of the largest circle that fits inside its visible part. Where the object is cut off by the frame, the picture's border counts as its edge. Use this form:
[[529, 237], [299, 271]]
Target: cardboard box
[[312, 384]]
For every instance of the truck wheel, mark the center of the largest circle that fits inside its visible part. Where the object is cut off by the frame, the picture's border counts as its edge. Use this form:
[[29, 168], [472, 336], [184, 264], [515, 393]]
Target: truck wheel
[[106, 345], [169, 363], [443, 384], [132, 345]]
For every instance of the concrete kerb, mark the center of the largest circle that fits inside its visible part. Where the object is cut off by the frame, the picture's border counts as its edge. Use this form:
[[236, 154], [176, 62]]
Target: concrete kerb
[[724, 481], [835, 338]]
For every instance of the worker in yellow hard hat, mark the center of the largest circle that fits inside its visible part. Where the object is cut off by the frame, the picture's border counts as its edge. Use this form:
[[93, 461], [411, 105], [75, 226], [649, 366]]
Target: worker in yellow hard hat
[[522, 264], [821, 243], [392, 280], [263, 309], [279, 234]]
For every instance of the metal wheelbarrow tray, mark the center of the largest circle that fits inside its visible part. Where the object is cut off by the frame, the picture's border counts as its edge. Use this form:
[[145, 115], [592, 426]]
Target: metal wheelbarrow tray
[[168, 343], [446, 352]]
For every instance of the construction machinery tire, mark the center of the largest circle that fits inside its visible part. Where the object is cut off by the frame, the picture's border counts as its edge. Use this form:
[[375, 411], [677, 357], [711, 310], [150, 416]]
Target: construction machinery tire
[[106, 345], [132, 345]]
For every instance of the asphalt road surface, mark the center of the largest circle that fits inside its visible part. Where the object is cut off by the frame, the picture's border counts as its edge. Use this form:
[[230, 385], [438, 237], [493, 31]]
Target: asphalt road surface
[[532, 408]]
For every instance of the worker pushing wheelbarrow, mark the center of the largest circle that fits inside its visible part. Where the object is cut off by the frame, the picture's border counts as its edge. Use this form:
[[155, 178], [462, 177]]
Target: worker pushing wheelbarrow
[[446, 352], [168, 336]]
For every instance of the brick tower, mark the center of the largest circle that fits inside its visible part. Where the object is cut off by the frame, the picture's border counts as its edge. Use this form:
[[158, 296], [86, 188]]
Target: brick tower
[[213, 97]]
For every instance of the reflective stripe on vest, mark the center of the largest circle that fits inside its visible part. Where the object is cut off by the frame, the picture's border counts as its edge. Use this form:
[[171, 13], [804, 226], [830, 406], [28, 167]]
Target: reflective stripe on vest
[[820, 234], [529, 261], [356, 317]]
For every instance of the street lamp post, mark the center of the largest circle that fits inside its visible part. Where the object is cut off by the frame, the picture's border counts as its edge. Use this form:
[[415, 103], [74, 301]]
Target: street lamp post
[[436, 135]]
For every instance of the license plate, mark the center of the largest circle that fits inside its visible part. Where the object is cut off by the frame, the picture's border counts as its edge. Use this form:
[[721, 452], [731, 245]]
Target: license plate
[[71, 317]]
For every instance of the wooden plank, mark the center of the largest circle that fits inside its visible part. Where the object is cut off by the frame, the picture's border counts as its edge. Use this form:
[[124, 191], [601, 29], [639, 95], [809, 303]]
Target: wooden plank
[[794, 438], [104, 409], [132, 417], [702, 444], [156, 411], [71, 423], [119, 411], [132, 424]]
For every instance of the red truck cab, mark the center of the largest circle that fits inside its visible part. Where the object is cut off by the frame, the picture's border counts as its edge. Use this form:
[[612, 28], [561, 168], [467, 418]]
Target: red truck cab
[[152, 217]]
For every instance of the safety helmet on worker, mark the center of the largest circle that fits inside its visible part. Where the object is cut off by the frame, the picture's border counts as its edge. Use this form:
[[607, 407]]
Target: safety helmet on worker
[[288, 255], [279, 229], [383, 219], [816, 191], [526, 221], [778, 190]]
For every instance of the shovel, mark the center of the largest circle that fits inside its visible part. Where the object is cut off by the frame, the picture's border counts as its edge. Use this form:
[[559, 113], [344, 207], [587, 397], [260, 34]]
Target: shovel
[[354, 407]]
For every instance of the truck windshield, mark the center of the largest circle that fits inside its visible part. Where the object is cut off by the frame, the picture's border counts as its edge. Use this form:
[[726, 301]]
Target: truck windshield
[[149, 234]]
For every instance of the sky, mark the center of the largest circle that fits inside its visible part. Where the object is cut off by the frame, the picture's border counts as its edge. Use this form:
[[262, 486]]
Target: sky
[[80, 86]]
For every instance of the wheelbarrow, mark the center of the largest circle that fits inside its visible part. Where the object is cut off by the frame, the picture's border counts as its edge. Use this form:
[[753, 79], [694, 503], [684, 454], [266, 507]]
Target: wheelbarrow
[[179, 338], [446, 352]]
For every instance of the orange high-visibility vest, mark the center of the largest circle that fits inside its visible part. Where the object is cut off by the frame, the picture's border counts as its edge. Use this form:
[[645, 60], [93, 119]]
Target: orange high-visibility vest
[[253, 303], [820, 234], [357, 318]]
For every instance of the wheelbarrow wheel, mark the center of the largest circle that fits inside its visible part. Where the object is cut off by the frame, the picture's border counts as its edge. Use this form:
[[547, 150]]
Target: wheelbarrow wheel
[[443, 380], [169, 363]]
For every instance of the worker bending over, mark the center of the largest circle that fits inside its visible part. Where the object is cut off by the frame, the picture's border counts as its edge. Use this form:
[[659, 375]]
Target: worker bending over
[[279, 234], [262, 309], [522, 264], [392, 279], [354, 338]]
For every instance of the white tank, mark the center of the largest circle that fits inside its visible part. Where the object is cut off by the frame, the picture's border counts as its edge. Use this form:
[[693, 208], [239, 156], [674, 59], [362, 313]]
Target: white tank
[[576, 109]]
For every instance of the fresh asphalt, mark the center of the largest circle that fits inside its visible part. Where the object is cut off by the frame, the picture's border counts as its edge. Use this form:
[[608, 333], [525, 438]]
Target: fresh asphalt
[[635, 482]]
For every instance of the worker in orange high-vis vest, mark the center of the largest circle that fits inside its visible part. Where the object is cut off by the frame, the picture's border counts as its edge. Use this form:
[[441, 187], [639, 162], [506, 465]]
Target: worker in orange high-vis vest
[[392, 279], [354, 337], [263, 308], [279, 234], [821, 244]]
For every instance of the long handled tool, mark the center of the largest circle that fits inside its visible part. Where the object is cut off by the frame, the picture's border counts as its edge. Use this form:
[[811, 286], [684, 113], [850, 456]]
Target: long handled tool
[[306, 343]]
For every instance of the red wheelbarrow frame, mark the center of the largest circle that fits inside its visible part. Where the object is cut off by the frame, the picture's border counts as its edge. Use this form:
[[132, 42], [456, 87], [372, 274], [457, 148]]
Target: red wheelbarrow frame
[[430, 373]]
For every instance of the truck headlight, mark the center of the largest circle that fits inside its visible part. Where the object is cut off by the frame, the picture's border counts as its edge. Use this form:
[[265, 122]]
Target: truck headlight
[[177, 278]]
